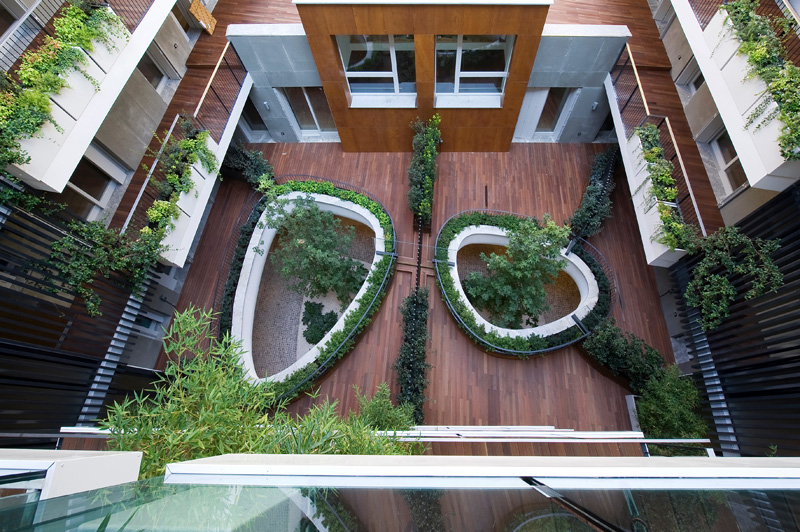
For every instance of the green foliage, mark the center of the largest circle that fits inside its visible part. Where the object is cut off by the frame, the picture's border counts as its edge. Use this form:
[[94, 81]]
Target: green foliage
[[329, 509], [492, 341], [317, 324], [24, 109], [314, 255], [379, 413], [203, 405], [515, 284], [91, 250], [425, 507], [766, 56], [729, 253], [595, 206], [422, 171], [251, 164], [673, 231], [177, 158], [626, 356], [162, 213], [669, 407], [411, 364]]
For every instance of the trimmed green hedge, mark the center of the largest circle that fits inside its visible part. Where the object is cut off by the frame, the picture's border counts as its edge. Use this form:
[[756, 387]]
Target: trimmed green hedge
[[339, 342], [520, 347], [411, 364]]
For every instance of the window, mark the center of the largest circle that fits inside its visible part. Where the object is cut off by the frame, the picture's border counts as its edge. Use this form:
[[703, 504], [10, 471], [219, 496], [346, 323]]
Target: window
[[150, 71], [729, 161], [310, 108], [553, 105], [379, 69], [87, 190], [252, 117], [468, 65]]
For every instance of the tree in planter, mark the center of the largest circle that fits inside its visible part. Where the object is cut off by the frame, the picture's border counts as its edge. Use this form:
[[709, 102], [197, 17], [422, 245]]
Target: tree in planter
[[727, 253], [203, 405], [314, 254], [515, 284]]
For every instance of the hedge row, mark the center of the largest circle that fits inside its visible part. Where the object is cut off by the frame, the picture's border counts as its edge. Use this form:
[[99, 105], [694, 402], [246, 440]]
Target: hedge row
[[411, 364], [521, 346]]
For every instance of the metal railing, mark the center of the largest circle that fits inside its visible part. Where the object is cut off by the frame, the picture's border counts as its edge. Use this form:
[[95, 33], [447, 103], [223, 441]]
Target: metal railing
[[215, 105], [577, 245], [635, 112]]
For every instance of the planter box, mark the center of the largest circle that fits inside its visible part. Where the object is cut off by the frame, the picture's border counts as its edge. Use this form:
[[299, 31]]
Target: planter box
[[73, 105]]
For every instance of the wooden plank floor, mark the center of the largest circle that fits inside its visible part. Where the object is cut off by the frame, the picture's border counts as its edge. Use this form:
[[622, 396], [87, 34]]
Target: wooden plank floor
[[469, 386]]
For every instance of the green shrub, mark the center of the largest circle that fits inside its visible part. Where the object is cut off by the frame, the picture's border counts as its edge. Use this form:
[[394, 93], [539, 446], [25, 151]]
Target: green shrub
[[595, 206], [669, 407], [317, 324], [203, 405], [425, 507], [251, 164], [411, 364], [514, 286], [728, 253], [422, 171], [766, 56], [626, 356]]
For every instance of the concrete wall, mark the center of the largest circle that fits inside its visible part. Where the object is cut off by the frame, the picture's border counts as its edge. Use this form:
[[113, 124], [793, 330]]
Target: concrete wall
[[173, 43], [702, 114], [678, 49], [129, 126], [577, 55], [275, 55]]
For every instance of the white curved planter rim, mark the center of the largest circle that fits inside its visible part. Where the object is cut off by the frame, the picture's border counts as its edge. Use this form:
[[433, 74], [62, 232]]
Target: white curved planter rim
[[244, 303], [575, 268]]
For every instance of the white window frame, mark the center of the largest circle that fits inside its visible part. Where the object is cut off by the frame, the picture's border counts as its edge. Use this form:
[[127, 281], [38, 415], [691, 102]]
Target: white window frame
[[394, 99], [723, 165], [472, 99]]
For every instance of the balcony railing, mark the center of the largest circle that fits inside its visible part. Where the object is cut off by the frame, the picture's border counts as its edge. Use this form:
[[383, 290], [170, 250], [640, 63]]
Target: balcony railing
[[635, 112], [705, 10], [30, 30], [221, 92]]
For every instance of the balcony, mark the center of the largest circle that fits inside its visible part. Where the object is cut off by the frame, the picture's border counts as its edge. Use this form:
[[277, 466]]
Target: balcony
[[714, 44], [80, 107]]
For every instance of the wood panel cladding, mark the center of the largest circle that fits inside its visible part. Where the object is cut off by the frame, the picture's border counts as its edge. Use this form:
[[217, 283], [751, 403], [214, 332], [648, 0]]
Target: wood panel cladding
[[387, 129]]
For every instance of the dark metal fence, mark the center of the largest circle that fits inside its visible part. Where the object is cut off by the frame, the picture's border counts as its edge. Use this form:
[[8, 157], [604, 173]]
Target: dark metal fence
[[223, 88], [630, 99], [43, 389], [749, 367]]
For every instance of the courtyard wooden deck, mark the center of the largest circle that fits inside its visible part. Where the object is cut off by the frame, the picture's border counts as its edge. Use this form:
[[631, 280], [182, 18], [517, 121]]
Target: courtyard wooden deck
[[468, 386]]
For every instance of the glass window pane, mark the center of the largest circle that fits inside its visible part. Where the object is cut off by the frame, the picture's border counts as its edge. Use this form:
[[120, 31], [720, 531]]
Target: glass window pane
[[736, 174], [485, 53], [90, 179], [150, 71], [366, 53], [362, 85], [726, 148], [321, 109], [481, 85], [251, 116], [302, 113], [446, 46], [552, 109]]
